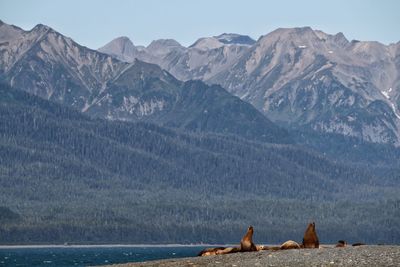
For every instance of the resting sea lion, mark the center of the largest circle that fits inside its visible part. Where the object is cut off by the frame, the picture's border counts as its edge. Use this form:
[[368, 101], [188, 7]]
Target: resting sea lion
[[290, 244], [341, 244], [261, 247], [210, 251], [246, 244], [358, 244], [310, 239], [228, 251]]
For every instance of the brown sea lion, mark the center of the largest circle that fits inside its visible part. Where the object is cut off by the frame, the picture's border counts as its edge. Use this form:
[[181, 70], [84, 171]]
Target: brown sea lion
[[261, 247], [358, 244], [310, 239], [341, 244], [228, 251], [290, 244], [246, 244], [210, 251]]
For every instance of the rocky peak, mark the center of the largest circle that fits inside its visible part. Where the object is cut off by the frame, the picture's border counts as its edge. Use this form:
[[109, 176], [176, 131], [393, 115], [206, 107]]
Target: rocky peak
[[291, 38], [40, 28], [297, 31], [163, 46], [121, 48], [9, 32], [207, 43], [340, 39], [233, 38], [121, 45]]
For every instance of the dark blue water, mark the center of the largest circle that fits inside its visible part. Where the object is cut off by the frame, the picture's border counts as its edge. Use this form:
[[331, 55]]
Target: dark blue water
[[89, 256]]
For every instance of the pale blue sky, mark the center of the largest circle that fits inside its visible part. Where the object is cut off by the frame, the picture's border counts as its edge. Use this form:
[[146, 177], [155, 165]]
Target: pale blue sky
[[94, 23]]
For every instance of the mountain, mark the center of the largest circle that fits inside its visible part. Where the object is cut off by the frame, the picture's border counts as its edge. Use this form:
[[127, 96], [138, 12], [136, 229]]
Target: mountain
[[54, 67], [225, 39], [122, 48], [201, 60], [46, 63], [233, 38], [163, 46], [302, 79], [67, 177], [144, 91]]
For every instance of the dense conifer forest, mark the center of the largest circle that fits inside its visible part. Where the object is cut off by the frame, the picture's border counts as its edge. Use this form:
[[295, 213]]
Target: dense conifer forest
[[65, 177]]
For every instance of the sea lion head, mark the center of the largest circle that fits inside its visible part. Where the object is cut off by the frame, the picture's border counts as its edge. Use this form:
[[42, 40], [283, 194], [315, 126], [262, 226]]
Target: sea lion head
[[250, 229], [311, 226]]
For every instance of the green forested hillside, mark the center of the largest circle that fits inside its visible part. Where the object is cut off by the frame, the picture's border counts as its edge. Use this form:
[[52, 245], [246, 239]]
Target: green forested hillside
[[67, 178]]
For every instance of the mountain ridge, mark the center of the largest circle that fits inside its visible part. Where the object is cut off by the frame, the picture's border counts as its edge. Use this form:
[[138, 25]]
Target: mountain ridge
[[52, 66], [265, 74]]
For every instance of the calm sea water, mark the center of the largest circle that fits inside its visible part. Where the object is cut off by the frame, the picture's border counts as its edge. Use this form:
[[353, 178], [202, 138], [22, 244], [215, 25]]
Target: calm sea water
[[89, 256]]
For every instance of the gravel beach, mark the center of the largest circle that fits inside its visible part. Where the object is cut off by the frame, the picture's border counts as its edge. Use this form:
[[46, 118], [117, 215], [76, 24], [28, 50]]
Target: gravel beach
[[348, 256]]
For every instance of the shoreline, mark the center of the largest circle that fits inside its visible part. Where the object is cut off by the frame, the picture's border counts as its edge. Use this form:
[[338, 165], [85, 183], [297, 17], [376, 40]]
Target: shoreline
[[111, 246], [368, 255], [25, 246]]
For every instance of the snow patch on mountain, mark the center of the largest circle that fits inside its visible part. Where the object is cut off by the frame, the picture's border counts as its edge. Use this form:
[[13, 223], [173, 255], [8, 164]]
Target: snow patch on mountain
[[134, 105], [387, 93]]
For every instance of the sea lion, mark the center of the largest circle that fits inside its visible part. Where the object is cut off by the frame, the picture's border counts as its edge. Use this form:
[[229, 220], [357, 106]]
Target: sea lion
[[210, 251], [246, 244], [290, 244], [310, 239], [358, 244], [261, 247], [228, 251], [341, 244]]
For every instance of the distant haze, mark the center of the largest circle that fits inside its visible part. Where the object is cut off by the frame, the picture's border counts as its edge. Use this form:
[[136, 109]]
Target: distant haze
[[94, 23]]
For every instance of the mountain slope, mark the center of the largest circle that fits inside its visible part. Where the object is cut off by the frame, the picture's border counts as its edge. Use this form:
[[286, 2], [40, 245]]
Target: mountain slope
[[303, 79], [146, 92], [54, 67], [69, 178]]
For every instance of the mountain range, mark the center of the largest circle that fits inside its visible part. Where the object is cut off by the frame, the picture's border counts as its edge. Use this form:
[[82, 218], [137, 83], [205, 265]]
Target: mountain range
[[47, 64], [167, 143], [298, 77]]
